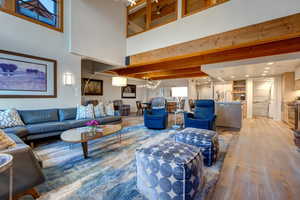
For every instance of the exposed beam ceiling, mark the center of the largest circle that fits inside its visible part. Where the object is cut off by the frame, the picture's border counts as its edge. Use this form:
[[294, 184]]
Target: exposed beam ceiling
[[274, 30], [193, 75], [274, 37], [167, 73], [273, 48]]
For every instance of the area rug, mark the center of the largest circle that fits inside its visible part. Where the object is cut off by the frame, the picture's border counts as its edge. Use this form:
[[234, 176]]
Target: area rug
[[110, 172]]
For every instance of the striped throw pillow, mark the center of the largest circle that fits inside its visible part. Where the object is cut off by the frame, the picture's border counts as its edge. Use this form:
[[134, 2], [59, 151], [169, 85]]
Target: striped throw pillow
[[5, 141]]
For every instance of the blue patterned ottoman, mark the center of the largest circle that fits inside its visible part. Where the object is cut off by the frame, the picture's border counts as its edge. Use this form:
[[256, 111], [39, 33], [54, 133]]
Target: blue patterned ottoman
[[169, 171], [206, 140]]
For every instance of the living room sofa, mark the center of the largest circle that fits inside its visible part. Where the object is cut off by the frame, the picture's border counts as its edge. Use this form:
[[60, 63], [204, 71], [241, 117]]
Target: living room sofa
[[52, 122], [27, 172]]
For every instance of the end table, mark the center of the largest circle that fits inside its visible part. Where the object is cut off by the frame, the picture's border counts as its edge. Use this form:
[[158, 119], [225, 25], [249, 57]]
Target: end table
[[6, 162], [175, 126]]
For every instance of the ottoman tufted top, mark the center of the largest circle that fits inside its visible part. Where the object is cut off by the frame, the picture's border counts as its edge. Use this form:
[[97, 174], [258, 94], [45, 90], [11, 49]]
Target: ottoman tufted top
[[170, 151]]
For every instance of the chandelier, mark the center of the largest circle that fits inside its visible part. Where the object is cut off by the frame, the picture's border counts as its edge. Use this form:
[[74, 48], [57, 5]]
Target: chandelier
[[133, 2], [150, 84]]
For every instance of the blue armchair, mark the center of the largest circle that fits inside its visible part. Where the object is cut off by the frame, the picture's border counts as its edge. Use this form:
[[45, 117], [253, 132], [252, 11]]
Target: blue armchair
[[157, 116], [204, 116]]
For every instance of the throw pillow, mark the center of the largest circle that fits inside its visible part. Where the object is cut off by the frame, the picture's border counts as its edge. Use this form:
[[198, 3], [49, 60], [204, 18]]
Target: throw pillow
[[5, 141], [85, 112], [109, 109], [99, 110], [10, 118]]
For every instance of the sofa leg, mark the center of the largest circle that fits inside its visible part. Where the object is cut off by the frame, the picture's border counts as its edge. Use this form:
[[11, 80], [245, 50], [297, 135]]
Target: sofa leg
[[32, 144], [32, 192]]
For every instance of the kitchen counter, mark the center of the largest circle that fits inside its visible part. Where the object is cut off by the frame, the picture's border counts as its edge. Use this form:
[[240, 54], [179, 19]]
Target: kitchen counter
[[229, 114]]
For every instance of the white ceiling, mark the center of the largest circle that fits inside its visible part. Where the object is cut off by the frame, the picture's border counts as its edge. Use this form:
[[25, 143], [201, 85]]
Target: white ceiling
[[253, 68]]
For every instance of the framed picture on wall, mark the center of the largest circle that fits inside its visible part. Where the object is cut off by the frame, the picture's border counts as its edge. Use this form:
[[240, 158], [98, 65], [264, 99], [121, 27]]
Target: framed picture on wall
[[129, 92], [91, 87], [26, 76]]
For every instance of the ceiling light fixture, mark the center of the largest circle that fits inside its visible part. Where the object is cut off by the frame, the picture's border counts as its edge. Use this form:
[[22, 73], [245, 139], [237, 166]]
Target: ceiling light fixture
[[119, 81], [270, 63], [263, 74], [133, 2], [150, 84], [232, 76], [247, 75]]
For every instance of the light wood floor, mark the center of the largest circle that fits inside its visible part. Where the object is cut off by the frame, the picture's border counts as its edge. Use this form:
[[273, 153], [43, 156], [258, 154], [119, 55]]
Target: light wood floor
[[263, 164]]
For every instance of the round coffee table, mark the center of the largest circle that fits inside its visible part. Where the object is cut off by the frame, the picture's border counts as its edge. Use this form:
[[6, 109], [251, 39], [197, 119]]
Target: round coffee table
[[85, 134], [6, 162]]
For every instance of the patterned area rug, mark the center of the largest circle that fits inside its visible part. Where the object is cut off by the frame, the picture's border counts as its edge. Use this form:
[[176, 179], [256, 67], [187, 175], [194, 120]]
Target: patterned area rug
[[110, 172]]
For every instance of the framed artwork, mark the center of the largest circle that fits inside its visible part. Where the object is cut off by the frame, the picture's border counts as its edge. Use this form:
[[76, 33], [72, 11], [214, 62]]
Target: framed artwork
[[92, 87], [129, 92], [26, 76]]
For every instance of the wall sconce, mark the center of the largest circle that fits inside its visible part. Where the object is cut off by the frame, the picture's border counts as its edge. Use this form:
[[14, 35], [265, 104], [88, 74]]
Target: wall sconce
[[119, 81], [68, 79]]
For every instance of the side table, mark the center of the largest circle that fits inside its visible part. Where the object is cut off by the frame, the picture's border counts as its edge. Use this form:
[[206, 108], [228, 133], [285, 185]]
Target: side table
[[6, 162], [177, 112]]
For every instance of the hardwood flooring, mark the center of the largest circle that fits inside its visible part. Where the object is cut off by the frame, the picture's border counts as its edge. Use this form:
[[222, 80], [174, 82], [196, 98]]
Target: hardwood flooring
[[263, 164]]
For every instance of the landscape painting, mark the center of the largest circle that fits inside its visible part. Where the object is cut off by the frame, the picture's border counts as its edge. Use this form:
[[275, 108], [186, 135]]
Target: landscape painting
[[18, 75], [27, 76]]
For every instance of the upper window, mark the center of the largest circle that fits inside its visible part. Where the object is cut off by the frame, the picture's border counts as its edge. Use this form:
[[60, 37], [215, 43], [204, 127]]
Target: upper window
[[45, 12], [148, 14], [190, 7]]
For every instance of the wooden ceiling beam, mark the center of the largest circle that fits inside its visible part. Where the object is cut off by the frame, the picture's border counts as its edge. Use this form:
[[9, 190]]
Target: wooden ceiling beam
[[192, 75], [270, 31], [269, 49], [167, 73]]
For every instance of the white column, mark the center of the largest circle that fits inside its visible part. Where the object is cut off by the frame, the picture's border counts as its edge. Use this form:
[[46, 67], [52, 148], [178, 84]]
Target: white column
[[179, 9], [277, 98]]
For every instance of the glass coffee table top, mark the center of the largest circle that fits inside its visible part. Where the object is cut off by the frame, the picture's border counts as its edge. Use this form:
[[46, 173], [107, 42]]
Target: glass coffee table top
[[85, 134]]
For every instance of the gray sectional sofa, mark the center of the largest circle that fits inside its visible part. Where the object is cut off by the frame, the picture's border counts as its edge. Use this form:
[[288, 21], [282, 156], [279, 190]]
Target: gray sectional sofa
[[52, 122]]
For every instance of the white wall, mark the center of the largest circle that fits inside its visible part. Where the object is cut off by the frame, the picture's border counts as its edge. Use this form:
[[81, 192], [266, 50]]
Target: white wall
[[99, 30], [111, 93], [228, 16], [25, 37]]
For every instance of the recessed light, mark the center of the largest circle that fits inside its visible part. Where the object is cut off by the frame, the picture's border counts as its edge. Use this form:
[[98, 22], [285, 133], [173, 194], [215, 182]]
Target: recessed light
[[247, 75], [270, 63], [263, 74], [267, 68], [266, 72], [232, 76]]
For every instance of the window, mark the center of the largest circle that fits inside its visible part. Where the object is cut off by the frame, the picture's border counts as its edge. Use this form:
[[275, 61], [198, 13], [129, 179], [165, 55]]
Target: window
[[190, 7], [48, 13], [148, 14]]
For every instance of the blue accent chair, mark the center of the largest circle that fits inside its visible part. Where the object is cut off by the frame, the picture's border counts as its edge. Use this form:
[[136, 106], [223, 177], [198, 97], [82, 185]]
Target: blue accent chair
[[157, 116], [204, 116]]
